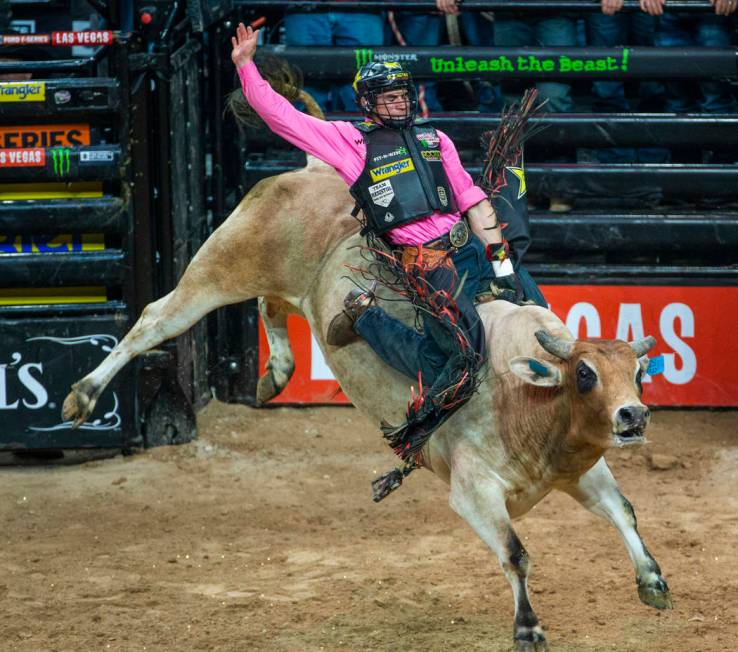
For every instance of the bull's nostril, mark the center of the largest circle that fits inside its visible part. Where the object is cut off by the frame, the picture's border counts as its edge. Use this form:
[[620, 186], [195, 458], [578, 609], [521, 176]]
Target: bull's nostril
[[626, 415]]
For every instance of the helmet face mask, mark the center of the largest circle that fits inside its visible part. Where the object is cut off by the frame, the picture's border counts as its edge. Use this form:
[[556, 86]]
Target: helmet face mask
[[376, 79]]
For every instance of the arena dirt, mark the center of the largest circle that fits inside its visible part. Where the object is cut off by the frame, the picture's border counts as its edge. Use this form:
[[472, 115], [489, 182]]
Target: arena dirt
[[262, 536]]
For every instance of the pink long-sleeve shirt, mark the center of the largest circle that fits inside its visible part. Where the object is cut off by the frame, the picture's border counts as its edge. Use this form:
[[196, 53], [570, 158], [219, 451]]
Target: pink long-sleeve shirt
[[341, 145]]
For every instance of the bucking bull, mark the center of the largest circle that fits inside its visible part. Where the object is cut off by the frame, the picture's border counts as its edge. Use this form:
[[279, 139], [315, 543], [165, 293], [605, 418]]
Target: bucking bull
[[545, 414]]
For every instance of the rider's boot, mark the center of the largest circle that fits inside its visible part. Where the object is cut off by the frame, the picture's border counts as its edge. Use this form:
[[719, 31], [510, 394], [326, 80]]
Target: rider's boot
[[341, 329]]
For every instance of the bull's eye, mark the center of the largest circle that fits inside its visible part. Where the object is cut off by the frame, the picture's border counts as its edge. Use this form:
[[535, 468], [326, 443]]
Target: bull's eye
[[586, 378]]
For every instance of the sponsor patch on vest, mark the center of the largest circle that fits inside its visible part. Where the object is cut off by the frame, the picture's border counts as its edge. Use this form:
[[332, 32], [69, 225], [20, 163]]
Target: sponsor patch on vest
[[382, 193], [391, 169], [441, 194], [431, 155], [388, 217], [428, 138], [400, 151]]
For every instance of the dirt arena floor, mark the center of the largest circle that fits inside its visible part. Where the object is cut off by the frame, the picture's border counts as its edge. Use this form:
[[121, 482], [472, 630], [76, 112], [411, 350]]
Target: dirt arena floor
[[262, 536]]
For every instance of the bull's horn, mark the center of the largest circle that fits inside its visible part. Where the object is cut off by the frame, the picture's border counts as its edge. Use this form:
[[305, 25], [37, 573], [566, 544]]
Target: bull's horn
[[641, 347], [560, 348]]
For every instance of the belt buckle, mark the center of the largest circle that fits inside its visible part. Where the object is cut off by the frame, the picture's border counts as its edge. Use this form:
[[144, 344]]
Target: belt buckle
[[458, 236]]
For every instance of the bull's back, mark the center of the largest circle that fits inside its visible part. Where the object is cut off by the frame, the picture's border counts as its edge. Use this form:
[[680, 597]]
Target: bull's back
[[274, 241]]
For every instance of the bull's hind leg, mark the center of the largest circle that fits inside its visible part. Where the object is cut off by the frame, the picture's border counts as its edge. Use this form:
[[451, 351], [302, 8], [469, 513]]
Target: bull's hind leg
[[481, 503], [160, 320], [598, 491], [281, 363]]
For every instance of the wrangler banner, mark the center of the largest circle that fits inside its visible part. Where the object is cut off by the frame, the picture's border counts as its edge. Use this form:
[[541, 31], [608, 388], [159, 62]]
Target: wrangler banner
[[693, 327], [22, 91]]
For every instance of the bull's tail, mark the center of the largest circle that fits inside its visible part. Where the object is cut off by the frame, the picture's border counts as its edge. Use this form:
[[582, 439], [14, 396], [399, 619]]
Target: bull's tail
[[285, 79]]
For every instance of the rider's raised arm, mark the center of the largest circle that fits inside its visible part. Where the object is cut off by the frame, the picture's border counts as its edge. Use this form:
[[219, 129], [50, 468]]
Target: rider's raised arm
[[324, 140], [336, 143]]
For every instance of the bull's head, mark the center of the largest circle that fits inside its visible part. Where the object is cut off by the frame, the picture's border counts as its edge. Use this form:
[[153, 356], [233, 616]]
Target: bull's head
[[603, 381]]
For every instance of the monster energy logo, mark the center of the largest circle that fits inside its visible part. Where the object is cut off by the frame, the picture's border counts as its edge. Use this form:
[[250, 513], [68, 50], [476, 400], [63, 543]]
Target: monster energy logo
[[363, 55], [62, 161], [367, 55]]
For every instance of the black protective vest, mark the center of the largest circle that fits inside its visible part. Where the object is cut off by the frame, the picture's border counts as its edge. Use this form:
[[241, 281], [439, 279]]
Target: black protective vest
[[403, 178]]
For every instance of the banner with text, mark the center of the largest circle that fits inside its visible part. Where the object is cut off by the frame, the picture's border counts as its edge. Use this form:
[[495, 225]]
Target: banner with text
[[693, 327]]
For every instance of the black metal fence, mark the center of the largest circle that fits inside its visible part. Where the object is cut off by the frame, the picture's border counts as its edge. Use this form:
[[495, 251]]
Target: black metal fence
[[94, 224]]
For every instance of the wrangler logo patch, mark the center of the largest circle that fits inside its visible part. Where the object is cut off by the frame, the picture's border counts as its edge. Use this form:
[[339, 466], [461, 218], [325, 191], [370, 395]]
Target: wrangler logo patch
[[391, 169], [432, 155]]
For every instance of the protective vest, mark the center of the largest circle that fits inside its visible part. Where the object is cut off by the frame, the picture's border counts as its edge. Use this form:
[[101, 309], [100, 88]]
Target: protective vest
[[403, 178]]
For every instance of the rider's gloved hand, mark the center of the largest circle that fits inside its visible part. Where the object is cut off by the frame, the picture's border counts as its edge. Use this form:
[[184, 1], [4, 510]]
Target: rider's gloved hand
[[506, 285]]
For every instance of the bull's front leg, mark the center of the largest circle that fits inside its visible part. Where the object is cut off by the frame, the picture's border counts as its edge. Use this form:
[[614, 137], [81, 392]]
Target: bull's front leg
[[480, 501], [598, 491]]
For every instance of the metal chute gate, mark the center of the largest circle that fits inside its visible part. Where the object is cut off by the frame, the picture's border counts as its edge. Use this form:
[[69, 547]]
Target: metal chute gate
[[94, 224]]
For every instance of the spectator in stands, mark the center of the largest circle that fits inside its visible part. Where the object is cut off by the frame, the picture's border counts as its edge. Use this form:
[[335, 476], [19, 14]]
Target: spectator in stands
[[479, 31], [679, 29], [412, 28], [421, 29], [327, 28], [543, 30], [548, 29], [609, 29]]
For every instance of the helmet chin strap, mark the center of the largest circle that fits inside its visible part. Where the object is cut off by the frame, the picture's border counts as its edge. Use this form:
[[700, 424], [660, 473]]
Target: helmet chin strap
[[389, 120]]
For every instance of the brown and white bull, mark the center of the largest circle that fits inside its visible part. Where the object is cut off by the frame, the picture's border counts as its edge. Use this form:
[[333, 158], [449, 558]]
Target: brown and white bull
[[548, 410]]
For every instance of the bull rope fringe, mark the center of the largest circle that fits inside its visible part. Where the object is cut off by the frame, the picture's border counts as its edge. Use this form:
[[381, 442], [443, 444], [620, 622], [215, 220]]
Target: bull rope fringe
[[430, 407], [504, 146]]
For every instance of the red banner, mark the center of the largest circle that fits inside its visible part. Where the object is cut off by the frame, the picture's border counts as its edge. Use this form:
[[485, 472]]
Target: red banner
[[94, 37], [694, 328], [22, 157]]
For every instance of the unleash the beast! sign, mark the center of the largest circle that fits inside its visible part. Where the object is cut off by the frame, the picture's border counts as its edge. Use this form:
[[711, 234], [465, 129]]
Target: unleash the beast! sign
[[694, 328]]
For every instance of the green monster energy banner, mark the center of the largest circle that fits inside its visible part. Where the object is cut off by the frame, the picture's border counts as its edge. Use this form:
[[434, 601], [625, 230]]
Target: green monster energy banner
[[504, 63], [61, 158], [532, 63]]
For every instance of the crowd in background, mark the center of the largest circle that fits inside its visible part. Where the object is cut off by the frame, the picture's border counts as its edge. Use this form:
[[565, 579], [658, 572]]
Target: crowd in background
[[653, 26]]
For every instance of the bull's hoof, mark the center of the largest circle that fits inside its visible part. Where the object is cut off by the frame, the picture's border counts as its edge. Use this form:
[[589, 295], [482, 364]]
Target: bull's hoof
[[77, 406], [656, 594], [266, 388], [531, 646], [530, 639]]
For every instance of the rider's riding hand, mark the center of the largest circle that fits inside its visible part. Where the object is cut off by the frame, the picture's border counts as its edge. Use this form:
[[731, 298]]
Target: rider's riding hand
[[506, 285]]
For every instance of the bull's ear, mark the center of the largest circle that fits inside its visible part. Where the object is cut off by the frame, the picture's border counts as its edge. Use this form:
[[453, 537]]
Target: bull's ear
[[535, 372], [644, 361]]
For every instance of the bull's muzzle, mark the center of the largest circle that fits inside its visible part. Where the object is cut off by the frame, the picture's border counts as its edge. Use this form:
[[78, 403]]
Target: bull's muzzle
[[630, 422]]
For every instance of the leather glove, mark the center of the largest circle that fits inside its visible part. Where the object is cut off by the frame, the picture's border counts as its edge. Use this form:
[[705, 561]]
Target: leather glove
[[506, 285]]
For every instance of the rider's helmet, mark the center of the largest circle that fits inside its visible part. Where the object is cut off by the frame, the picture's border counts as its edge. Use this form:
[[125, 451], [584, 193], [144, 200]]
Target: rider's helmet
[[376, 78]]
